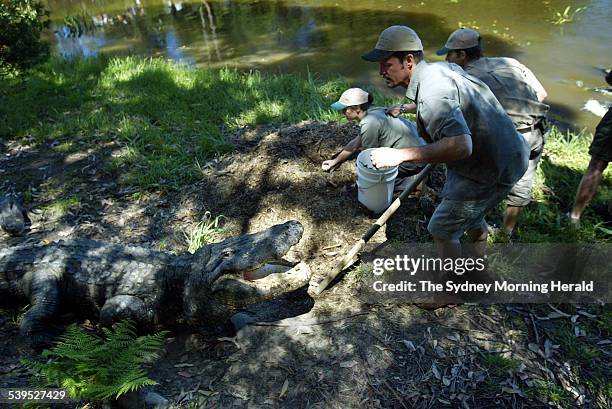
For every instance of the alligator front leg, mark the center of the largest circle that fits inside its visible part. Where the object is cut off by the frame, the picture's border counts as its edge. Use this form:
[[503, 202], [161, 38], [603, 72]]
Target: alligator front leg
[[122, 307], [44, 301]]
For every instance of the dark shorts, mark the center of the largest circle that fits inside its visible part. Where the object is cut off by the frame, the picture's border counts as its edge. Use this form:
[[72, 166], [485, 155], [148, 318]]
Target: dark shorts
[[601, 147]]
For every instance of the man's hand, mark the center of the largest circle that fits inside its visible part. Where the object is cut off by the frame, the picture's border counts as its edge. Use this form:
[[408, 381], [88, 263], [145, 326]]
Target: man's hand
[[329, 165], [394, 110], [385, 157]]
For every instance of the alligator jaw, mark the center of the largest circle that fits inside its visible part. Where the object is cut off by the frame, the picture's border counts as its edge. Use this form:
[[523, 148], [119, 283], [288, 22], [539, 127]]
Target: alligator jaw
[[239, 292]]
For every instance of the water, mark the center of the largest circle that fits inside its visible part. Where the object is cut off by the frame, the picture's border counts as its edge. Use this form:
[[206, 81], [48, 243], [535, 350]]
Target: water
[[326, 38]]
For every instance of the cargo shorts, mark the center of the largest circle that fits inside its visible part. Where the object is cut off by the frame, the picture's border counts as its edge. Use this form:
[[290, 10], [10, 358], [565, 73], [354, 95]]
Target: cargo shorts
[[520, 195], [452, 218]]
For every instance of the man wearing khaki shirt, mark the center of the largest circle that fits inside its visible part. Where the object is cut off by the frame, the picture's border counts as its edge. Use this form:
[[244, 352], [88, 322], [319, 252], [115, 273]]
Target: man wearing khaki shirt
[[467, 129], [520, 94]]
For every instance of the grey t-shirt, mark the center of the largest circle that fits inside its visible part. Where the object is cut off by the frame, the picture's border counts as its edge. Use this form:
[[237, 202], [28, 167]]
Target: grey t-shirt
[[451, 102], [381, 130], [515, 87]]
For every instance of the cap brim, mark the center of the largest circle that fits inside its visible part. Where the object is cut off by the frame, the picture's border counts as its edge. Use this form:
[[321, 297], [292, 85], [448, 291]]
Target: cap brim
[[338, 106], [442, 51], [376, 55]]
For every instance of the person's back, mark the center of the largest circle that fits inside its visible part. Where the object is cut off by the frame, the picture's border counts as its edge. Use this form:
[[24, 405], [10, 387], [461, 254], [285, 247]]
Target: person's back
[[499, 153], [381, 130], [514, 86]]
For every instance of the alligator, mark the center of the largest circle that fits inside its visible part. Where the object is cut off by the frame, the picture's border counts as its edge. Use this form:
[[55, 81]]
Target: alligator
[[111, 282]]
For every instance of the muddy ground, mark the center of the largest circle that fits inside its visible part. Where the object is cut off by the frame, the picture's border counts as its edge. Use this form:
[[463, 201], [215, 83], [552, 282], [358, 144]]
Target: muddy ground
[[327, 351]]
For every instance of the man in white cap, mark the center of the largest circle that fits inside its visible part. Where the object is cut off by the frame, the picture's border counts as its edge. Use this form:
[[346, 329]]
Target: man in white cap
[[521, 95], [376, 130], [467, 129]]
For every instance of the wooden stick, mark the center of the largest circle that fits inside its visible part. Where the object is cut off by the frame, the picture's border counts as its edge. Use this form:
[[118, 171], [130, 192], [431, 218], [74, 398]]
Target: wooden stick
[[351, 256]]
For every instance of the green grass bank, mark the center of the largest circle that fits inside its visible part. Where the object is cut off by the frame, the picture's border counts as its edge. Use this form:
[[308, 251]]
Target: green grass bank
[[170, 119]]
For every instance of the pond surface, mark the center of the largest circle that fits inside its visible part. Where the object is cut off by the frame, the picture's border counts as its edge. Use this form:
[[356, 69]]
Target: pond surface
[[326, 38]]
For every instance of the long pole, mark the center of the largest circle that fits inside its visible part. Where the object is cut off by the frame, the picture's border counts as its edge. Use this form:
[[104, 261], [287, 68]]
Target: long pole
[[349, 258]]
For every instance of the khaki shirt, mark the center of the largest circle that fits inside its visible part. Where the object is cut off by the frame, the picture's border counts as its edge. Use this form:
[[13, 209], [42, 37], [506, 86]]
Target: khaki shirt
[[515, 87], [450, 103], [381, 130]]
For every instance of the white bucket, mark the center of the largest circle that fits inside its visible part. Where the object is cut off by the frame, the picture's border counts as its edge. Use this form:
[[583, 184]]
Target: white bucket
[[375, 186]]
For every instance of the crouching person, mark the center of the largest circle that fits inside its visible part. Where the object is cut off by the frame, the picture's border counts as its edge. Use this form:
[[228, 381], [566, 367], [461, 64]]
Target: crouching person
[[377, 129]]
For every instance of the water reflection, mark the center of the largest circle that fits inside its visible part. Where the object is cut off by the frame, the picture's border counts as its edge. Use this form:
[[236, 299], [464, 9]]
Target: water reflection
[[328, 37]]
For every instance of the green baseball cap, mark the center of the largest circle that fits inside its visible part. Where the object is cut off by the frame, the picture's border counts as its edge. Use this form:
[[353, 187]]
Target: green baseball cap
[[461, 39], [392, 39]]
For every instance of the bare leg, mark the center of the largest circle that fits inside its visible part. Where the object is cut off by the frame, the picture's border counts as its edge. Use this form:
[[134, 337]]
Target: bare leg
[[448, 248], [478, 239], [511, 217], [587, 188]]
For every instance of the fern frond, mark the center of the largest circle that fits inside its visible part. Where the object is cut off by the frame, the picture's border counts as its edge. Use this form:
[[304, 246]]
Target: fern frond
[[89, 367]]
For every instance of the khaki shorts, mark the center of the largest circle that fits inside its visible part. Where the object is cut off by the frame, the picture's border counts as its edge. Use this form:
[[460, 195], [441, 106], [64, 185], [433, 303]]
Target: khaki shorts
[[452, 218], [520, 195]]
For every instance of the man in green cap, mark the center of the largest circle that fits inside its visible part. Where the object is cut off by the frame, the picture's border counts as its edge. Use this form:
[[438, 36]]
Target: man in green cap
[[376, 130], [467, 129], [520, 94]]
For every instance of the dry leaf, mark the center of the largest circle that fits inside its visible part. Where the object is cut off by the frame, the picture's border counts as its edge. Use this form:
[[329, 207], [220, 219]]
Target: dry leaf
[[436, 371], [183, 365], [284, 388], [184, 374], [454, 337], [446, 381], [548, 348], [534, 348], [348, 364], [586, 314], [409, 345]]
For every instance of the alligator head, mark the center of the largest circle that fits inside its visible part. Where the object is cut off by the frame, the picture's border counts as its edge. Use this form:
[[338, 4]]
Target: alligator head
[[216, 287], [12, 216]]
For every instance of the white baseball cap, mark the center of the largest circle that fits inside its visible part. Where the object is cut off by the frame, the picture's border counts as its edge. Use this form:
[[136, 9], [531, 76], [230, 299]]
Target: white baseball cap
[[350, 97]]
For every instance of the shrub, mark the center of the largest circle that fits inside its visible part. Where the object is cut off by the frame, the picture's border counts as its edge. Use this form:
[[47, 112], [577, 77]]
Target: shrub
[[21, 24]]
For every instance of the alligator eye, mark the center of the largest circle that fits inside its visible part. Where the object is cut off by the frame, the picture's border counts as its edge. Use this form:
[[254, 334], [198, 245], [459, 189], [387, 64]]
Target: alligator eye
[[228, 252]]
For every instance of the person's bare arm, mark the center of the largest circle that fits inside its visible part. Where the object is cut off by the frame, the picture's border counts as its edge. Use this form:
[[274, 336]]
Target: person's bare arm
[[349, 149], [395, 110], [445, 150]]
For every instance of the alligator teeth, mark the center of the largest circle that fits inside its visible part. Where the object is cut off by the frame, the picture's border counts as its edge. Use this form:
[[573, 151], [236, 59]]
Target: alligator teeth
[[265, 271]]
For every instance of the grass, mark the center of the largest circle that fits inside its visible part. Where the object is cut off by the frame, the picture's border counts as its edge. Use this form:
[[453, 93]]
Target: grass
[[60, 207], [564, 162], [499, 365], [208, 230], [167, 116]]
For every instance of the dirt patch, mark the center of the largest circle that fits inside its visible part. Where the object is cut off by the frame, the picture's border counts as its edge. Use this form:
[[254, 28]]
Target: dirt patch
[[332, 351]]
